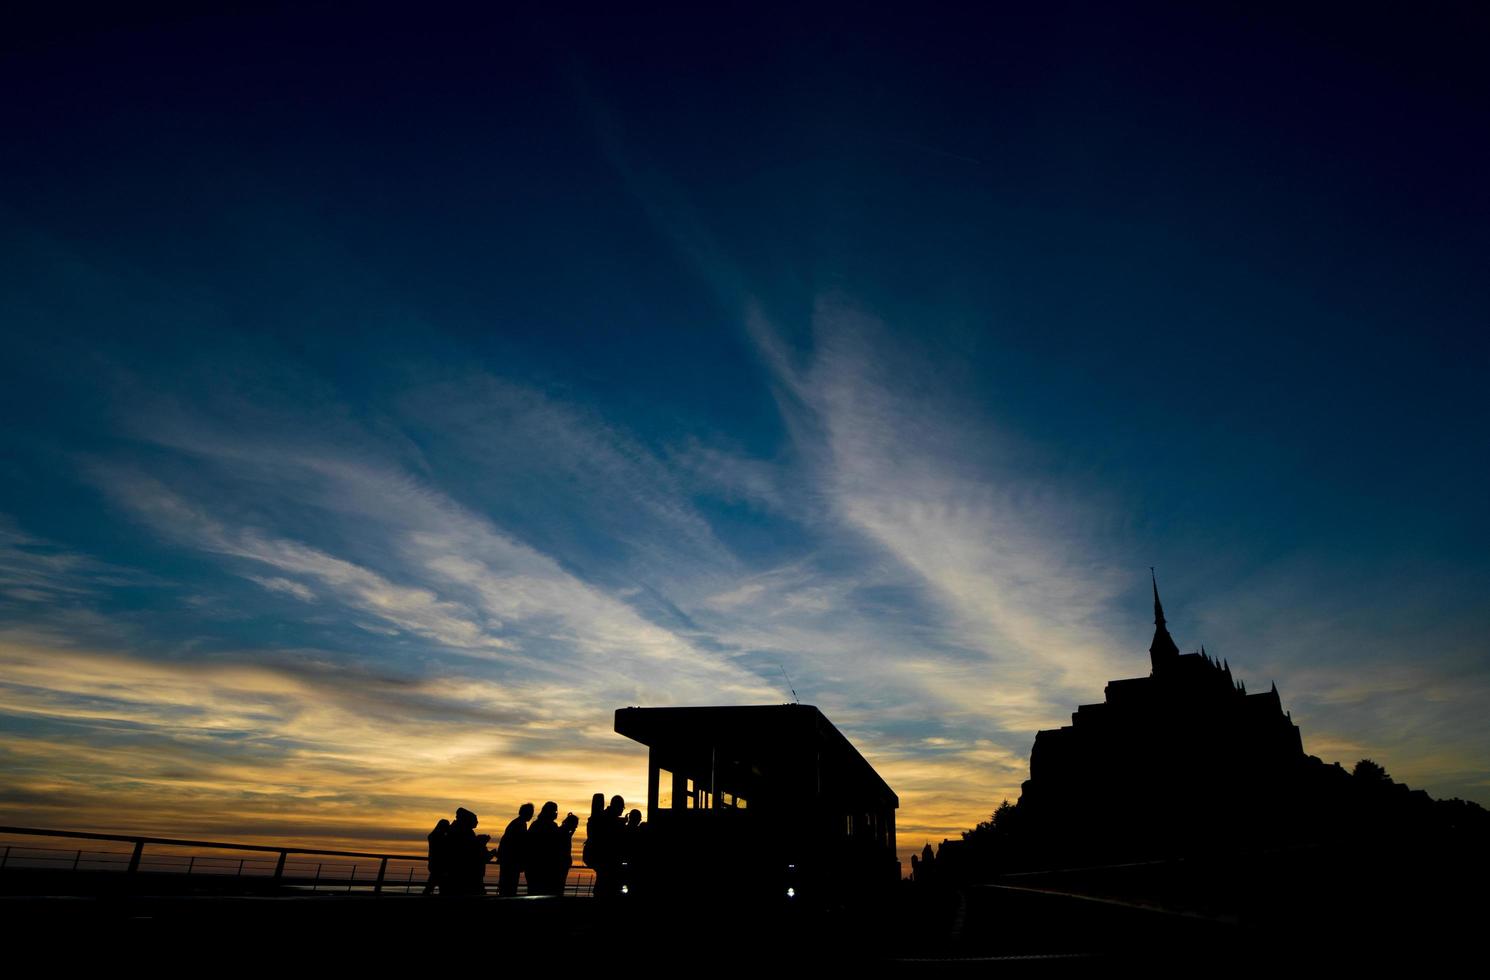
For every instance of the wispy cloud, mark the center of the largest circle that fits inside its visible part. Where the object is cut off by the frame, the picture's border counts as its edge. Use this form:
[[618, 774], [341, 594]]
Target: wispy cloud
[[414, 609], [34, 570], [96, 739], [284, 586], [1014, 561], [894, 452], [462, 584]]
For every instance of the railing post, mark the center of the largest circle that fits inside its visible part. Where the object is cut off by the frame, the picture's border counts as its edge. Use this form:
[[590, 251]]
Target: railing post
[[76, 858], [317, 883], [6, 859], [134, 859], [382, 873], [240, 867], [279, 868], [191, 864], [408, 885], [353, 878]]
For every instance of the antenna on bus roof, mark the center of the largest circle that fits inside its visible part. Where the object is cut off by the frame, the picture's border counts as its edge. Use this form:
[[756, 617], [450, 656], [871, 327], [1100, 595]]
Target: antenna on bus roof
[[795, 699]]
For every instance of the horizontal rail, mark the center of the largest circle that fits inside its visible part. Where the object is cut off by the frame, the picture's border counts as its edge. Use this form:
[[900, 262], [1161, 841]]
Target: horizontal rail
[[291, 867], [269, 848]]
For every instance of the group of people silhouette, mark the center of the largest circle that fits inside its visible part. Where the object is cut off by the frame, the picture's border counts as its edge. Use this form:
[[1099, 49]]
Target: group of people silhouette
[[538, 849]]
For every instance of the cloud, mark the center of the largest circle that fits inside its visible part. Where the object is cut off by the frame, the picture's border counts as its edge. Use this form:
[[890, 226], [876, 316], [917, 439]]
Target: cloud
[[407, 608], [285, 586], [121, 740], [451, 576], [1014, 561], [34, 570], [1017, 564]]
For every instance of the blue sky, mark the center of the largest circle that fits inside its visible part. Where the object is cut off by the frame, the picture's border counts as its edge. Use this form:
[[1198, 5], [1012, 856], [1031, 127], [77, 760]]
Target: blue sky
[[388, 401]]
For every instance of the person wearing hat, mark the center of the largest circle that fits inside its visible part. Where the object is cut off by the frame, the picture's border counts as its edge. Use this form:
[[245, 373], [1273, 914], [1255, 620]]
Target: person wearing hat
[[466, 856]]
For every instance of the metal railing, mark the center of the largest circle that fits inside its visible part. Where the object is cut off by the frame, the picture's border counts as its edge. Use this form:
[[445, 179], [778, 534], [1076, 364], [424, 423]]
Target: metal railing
[[292, 868]]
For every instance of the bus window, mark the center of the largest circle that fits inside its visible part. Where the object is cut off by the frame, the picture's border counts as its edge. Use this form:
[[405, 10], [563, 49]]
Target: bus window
[[664, 790]]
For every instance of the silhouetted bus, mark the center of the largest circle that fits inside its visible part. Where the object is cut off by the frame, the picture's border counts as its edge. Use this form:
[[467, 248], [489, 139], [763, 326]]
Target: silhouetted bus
[[766, 802]]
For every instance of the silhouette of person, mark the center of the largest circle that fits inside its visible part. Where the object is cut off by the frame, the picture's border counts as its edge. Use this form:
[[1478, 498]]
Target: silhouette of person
[[590, 854], [564, 856], [466, 856], [629, 855], [438, 846], [511, 851], [545, 841], [604, 845]]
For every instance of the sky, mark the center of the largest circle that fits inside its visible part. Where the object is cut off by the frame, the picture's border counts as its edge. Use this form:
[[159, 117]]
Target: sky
[[391, 395]]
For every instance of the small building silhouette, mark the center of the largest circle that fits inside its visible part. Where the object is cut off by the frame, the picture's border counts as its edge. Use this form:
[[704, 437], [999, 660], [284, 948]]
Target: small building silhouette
[[1167, 762], [773, 798]]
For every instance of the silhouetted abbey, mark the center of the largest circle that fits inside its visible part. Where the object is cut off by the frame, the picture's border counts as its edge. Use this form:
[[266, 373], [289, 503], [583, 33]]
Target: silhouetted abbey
[[1176, 759], [1182, 792]]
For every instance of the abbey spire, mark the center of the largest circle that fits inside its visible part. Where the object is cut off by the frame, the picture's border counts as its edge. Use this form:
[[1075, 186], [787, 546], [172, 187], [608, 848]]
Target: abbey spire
[[1163, 650]]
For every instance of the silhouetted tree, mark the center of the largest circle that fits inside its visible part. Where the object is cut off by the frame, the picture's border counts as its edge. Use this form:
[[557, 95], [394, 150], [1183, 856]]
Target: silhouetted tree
[[1001, 822], [1371, 773]]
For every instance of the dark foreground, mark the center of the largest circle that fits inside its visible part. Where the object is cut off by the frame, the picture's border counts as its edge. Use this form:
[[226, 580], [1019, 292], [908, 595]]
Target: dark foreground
[[1019, 930]]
